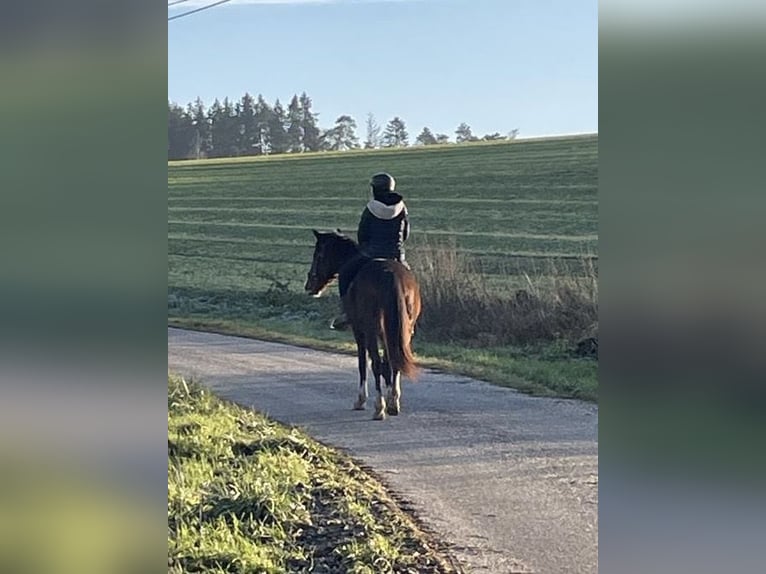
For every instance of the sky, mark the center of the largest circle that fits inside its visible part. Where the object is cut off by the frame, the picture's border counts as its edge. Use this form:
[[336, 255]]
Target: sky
[[497, 65]]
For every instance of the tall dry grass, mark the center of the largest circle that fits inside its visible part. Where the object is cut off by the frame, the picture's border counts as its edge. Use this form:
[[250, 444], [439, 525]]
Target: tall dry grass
[[559, 301]]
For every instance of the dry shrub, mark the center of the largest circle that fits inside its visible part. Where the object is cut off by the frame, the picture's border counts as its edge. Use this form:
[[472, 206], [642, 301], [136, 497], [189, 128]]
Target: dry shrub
[[559, 302]]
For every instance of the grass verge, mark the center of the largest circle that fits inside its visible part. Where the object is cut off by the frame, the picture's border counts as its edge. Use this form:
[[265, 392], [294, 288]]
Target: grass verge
[[246, 494], [544, 370]]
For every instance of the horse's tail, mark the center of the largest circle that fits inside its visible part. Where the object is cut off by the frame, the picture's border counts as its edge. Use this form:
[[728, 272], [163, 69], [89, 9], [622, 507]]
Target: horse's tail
[[397, 327]]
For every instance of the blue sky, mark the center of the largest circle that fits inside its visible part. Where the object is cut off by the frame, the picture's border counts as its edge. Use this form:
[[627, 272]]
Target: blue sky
[[494, 64]]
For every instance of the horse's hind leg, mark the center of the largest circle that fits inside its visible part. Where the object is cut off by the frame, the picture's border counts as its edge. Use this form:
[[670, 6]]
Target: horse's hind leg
[[392, 382], [395, 394], [361, 352], [377, 371]]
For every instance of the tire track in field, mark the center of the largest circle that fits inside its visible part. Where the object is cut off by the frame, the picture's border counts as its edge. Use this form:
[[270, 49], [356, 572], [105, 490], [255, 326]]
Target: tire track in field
[[447, 232], [346, 199]]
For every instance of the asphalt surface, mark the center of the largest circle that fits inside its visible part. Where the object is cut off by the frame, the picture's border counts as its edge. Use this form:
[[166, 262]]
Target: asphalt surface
[[509, 481]]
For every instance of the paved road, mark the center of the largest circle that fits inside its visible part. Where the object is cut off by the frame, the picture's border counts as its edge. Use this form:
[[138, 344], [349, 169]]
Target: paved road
[[510, 481]]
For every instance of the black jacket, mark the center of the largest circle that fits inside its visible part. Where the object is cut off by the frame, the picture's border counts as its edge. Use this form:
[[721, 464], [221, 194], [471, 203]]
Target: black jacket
[[384, 227]]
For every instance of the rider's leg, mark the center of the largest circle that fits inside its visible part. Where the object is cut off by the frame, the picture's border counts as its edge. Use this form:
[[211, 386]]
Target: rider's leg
[[340, 322]]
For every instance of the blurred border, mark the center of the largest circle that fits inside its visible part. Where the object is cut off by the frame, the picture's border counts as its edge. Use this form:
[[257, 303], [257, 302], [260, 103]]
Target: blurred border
[[83, 343], [681, 286]]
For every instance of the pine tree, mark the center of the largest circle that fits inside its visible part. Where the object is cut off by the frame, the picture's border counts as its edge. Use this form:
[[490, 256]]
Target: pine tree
[[181, 133], [373, 133], [395, 134], [442, 138], [202, 144], [463, 134], [277, 131], [215, 116], [248, 135], [426, 137], [311, 132], [263, 121], [225, 129], [342, 136], [294, 127]]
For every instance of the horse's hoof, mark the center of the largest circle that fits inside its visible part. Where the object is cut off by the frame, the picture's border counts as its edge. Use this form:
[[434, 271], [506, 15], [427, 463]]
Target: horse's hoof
[[379, 416], [393, 410], [358, 406]]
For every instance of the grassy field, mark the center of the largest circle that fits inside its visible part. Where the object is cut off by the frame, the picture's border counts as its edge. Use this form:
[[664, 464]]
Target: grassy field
[[239, 244], [248, 495]]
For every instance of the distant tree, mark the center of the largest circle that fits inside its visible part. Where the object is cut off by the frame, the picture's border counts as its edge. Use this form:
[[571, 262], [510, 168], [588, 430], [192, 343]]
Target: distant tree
[[342, 136], [325, 139], [426, 137], [263, 120], [202, 143], [311, 132], [225, 129], [277, 131], [294, 127], [214, 115], [252, 126], [248, 129], [373, 133], [396, 134], [181, 133], [463, 134]]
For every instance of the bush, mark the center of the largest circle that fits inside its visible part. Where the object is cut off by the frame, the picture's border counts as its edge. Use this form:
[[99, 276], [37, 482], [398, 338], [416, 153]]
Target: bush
[[459, 305]]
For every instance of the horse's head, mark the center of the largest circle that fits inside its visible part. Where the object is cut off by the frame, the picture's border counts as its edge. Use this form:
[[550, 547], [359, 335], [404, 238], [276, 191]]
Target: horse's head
[[331, 251]]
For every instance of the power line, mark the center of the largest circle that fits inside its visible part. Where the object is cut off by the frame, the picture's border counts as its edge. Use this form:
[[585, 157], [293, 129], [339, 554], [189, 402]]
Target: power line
[[176, 2], [198, 10]]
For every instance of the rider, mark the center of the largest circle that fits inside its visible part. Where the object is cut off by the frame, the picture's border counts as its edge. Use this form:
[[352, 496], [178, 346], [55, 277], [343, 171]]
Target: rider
[[383, 229]]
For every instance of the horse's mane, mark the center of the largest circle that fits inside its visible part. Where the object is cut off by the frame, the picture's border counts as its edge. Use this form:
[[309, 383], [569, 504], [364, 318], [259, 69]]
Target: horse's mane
[[345, 243], [345, 238]]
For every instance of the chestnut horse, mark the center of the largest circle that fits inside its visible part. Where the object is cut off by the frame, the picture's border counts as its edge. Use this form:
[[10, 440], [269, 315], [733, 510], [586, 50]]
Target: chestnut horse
[[382, 304]]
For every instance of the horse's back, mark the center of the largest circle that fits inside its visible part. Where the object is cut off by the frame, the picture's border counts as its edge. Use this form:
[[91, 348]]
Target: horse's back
[[386, 275], [390, 268], [379, 279]]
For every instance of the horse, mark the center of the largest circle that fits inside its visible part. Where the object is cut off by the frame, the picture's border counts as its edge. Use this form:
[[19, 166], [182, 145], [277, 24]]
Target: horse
[[382, 304]]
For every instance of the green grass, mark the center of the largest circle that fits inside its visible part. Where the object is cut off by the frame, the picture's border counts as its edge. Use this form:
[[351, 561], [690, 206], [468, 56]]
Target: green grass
[[246, 494], [239, 244]]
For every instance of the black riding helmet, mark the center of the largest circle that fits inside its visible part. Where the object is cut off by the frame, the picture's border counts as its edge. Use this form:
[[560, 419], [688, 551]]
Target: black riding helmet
[[382, 183]]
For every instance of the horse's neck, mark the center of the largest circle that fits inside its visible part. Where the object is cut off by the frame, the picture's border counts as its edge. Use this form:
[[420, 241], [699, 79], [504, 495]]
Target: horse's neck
[[347, 252]]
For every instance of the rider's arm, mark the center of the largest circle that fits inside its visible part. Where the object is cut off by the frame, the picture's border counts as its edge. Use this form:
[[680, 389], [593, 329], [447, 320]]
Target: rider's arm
[[363, 233], [406, 231]]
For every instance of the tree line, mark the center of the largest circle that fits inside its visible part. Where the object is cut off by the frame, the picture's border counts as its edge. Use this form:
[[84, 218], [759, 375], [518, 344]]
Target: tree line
[[252, 126]]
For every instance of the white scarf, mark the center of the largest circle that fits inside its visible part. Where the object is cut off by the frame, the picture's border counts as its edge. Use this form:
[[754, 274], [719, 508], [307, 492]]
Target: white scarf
[[383, 211]]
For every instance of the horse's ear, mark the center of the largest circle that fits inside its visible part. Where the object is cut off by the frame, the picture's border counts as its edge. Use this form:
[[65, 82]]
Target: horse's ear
[[338, 231], [315, 232]]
